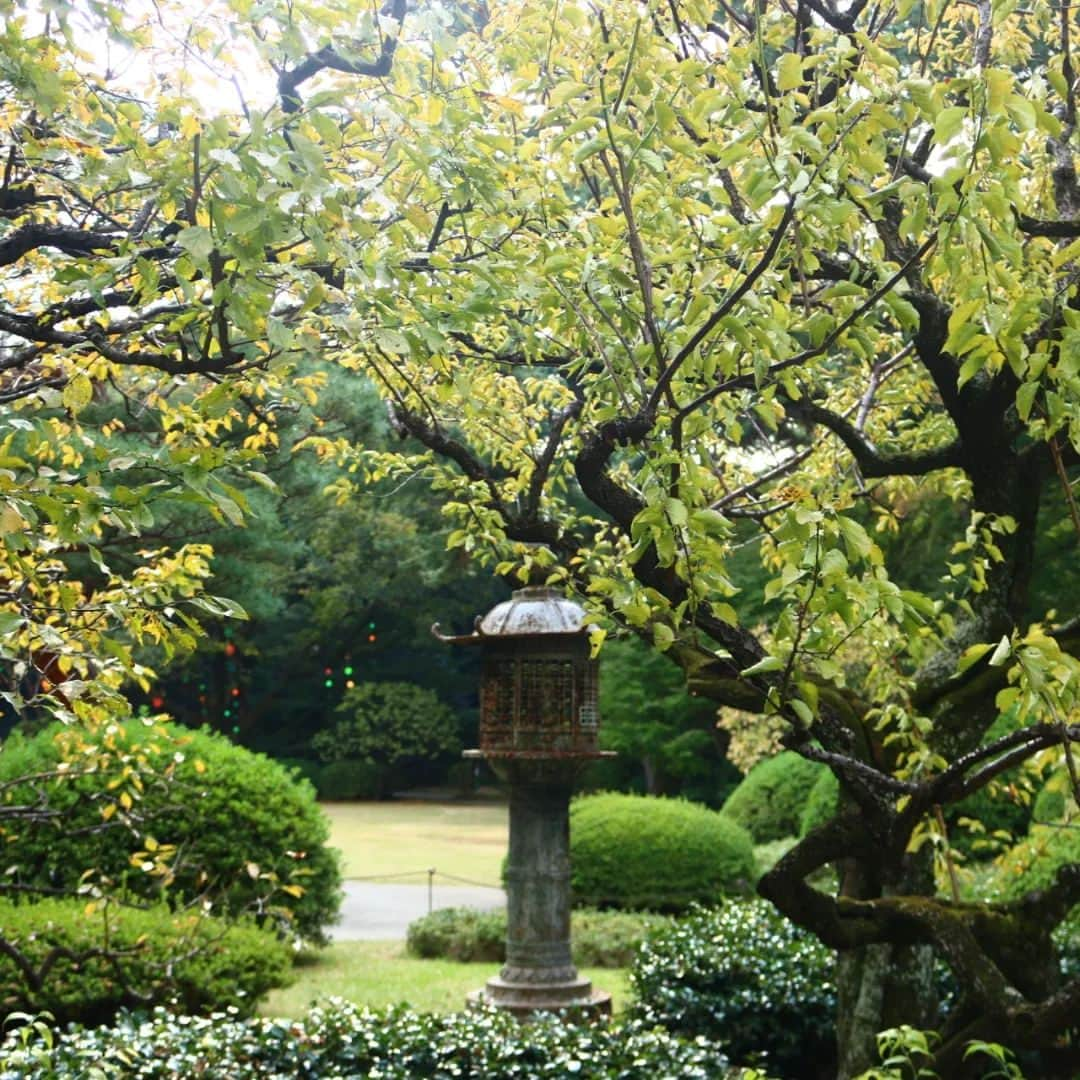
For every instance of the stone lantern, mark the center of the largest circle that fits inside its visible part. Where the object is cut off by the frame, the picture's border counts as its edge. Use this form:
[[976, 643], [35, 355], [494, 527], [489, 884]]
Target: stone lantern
[[538, 727]]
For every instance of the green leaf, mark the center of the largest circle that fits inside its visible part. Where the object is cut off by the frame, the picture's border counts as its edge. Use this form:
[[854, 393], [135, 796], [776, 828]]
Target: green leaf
[[663, 636], [1002, 652], [789, 71], [765, 664], [197, 241], [948, 122]]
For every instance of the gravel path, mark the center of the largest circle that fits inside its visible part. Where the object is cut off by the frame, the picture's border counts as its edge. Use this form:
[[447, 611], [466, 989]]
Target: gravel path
[[381, 912]]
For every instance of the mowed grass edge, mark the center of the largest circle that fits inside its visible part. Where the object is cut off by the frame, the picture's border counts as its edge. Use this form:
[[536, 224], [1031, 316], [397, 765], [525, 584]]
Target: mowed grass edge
[[381, 973], [402, 837]]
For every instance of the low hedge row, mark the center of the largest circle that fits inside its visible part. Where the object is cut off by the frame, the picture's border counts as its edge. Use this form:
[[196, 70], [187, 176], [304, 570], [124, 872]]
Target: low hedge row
[[600, 938], [341, 1040], [649, 854], [84, 963]]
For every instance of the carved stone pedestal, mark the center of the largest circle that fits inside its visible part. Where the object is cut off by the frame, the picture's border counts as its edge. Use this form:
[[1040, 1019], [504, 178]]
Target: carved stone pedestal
[[539, 974]]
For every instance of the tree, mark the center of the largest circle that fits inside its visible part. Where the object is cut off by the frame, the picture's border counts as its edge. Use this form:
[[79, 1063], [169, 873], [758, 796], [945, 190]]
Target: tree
[[653, 288], [699, 277]]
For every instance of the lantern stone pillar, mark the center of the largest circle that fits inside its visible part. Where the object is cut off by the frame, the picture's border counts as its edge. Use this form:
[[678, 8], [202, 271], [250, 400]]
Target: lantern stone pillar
[[538, 726]]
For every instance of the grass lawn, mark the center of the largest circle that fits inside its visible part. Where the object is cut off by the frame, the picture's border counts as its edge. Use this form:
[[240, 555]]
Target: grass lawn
[[379, 973], [465, 840]]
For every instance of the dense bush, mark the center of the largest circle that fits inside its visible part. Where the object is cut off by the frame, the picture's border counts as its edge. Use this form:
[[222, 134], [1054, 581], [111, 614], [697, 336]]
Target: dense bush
[[639, 853], [245, 829], [599, 938], [462, 934], [93, 962], [770, 800], [745, 977], [822, 802], [349, 779], [343, 1041]]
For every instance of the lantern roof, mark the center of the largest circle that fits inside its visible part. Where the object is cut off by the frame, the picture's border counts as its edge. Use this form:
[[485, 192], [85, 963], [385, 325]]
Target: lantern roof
[[534, 610]]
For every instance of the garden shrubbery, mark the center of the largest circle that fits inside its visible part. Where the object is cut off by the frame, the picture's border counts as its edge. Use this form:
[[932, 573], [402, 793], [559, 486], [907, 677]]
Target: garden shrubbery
[[770, 800], [599, 938], [247, 833], [462, 934], [341, 1040], [348, 779], [743, 976], [822, 802], [639, 853], [92, 961]]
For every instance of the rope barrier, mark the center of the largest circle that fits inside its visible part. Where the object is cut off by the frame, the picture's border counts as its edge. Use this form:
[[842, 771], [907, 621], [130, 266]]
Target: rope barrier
[[431, 874], [419, 873]]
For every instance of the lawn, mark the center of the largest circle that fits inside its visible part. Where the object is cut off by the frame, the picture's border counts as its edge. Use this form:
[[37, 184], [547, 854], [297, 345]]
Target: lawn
[[463, 840], [379, 973]]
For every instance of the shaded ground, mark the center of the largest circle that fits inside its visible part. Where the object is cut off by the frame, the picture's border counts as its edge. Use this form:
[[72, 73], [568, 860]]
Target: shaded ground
[[382, 912]]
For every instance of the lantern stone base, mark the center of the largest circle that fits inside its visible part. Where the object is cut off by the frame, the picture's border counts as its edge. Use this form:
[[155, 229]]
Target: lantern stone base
[[574, 996]]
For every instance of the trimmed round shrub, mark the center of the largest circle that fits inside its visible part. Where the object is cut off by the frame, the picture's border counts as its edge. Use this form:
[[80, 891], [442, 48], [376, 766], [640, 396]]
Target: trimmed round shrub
[[639, 853], [822, 802], [770, 800], [350, 779], [248, 836], [149, 956], [341, 1040], [606, 939], [744, 977]]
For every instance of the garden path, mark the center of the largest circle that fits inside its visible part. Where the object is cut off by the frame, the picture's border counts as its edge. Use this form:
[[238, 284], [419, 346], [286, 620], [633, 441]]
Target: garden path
[[381, 912]]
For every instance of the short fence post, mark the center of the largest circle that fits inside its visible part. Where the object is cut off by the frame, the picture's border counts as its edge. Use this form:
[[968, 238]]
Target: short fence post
[[430, 879]]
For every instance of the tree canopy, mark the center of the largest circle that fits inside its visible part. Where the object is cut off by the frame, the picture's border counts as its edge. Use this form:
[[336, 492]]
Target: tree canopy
[[646, 288]]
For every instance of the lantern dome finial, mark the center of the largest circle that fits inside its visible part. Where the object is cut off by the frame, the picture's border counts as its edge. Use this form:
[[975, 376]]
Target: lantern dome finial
[[536, 609]]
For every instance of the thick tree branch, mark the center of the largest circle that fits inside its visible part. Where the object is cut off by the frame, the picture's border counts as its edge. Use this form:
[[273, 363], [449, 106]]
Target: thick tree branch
[[872, 461]]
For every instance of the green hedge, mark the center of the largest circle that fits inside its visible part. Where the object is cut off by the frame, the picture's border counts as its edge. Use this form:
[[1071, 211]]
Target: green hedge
[[744, 977], [239, 820], [608, 939], [822, 802], [350, 779], [639, 853], [341, 1041], [769, 802], [96, 961]]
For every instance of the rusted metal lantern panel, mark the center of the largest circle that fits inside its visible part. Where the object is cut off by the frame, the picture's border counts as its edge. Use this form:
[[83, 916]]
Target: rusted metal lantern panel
[[538, 692]]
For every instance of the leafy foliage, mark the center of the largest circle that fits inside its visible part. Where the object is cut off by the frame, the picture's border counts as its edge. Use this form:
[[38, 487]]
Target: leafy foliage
[[390, 725], [640, 853], [231, 828], [651, 720], [339, 1040], [1034, 862], [769, 802], [740, 975], [677, 289], [598, 938], [84, 963]]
